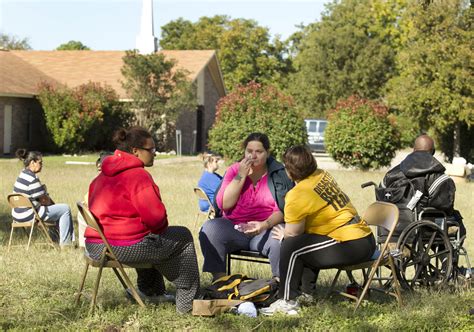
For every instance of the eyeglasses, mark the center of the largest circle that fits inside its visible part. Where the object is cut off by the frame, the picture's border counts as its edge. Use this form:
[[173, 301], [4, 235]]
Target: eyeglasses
[[151, 150]]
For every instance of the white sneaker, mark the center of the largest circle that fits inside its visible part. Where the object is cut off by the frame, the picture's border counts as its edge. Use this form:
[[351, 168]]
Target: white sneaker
[[153, 298], [286, 307]]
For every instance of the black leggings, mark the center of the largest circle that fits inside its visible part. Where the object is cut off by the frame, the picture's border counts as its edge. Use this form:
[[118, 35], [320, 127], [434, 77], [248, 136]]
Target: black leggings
[[317, 252]]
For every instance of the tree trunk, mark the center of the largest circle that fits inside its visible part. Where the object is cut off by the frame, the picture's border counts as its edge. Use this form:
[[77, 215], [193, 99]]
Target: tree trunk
[[457, 140]]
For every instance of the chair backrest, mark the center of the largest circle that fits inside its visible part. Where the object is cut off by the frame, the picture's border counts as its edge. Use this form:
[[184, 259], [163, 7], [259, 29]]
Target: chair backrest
[[382, 214], [202, 195], [91, 221], [19, 200]]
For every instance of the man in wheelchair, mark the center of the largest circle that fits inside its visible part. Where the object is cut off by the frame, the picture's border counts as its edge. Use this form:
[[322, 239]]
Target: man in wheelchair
[[419, 182], [430, 232]]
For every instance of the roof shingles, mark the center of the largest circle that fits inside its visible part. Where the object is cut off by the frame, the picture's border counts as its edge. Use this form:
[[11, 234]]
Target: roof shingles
[[21, 71]]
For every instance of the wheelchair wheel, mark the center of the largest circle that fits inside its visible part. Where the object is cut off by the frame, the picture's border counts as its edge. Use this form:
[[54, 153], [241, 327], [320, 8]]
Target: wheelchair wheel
[[426, 259]]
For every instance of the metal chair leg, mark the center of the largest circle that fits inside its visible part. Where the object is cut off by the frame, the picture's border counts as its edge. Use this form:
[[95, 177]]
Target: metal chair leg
[[228, 265], [31, 235], [132, 287], [96, 289], [351, 277], [11, 237], [396, 283], [369, 280], [120, 278], [47, 235], [81, 286], [333, 284], [97, 281]]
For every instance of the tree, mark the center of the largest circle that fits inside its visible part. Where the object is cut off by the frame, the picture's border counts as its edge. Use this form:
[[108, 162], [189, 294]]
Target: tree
[[73, 45], [434, 87], [244, 48], [350, 51], [82, 118], [9, 42], [360, 134], [255, 108], [159, 92]]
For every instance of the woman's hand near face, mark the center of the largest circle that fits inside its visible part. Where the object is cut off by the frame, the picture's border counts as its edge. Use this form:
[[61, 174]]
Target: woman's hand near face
[[245, 166]]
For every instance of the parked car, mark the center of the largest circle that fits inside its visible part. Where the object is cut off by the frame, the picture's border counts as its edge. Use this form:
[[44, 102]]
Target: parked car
[[315, 129]]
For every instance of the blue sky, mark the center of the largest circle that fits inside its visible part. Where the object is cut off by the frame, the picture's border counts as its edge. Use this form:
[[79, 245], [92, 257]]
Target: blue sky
[[114, 24]]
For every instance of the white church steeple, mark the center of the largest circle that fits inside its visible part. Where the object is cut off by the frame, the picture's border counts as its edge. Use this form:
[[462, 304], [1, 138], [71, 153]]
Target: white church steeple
[[146, 41]]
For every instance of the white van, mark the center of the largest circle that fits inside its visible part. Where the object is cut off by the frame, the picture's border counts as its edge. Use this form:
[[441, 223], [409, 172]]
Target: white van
[[315, 129]]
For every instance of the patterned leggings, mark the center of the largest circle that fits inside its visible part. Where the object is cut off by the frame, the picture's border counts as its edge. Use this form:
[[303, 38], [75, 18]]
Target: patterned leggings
[[173, 256]]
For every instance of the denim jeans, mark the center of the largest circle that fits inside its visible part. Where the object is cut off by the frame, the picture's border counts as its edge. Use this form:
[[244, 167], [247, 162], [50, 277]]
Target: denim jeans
[[61, 214]]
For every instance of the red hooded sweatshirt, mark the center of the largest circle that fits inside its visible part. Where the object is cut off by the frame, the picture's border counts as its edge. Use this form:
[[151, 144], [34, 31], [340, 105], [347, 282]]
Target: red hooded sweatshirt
[[126, 201]]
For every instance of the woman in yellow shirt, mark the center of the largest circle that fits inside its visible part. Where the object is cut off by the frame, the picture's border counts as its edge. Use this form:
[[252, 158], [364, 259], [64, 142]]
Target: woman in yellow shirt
[[322, 229]]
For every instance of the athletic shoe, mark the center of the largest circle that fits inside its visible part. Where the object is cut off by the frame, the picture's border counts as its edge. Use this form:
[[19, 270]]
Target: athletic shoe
[[286, 307], [152, 298]]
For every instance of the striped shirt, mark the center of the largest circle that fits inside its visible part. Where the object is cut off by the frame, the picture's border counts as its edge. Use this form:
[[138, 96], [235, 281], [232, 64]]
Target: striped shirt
[[29, 184]]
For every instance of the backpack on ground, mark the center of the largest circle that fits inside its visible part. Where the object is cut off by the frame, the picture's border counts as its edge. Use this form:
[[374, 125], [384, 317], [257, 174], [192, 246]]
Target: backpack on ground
[[225, 287], [240, 287], [262, 292]]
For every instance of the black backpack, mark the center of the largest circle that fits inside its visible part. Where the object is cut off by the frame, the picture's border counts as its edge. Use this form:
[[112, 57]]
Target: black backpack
[[406, 197], [262, 292]]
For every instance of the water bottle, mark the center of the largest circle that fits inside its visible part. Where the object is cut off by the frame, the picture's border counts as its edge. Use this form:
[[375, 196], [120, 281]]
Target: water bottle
[[241, 227], [247, 309]]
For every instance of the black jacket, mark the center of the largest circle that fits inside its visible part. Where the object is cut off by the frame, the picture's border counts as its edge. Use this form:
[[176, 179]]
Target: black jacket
[[278, 182], [424, 171]]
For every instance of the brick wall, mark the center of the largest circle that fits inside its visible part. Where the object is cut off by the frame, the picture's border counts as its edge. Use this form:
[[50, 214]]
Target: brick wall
[[187, 121]]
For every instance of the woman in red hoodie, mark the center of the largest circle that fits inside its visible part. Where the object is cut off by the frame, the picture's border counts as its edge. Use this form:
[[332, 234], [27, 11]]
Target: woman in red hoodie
[[128, 204]]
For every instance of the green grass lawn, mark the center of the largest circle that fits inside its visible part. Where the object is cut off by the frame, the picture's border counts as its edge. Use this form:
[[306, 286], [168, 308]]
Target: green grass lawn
[[37, 287]]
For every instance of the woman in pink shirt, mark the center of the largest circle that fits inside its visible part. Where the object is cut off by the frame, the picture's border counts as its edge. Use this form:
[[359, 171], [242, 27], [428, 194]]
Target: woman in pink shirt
[[251, 198]]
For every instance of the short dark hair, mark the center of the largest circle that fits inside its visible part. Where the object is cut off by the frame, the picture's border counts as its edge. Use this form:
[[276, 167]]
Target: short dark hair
[[28, 156], [299, 162], [102, 156], [127, 139], [259, 137]]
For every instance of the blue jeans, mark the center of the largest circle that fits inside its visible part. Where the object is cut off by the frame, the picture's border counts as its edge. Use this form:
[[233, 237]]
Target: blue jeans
[[61, 214]]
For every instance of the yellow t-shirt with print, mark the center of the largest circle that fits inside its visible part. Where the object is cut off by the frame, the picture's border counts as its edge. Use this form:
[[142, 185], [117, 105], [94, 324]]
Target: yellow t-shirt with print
[[325, 207]]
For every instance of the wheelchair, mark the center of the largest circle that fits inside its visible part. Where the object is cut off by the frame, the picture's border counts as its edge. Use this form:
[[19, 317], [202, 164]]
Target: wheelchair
[[429, 252]]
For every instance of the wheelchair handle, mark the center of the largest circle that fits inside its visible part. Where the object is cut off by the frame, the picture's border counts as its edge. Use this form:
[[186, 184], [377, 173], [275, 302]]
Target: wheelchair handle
[[367, 184]]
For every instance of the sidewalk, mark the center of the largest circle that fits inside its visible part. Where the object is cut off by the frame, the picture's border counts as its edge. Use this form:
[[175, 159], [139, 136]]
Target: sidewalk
[[326, 162]]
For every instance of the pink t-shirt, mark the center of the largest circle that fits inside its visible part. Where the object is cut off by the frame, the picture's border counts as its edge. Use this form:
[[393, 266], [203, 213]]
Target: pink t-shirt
[[254, 204]]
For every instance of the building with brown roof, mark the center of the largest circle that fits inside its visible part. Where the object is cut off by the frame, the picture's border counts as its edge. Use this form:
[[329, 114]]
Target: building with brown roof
[[21, 116]]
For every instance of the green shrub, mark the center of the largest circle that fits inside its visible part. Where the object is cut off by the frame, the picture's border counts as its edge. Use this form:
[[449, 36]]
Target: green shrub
[[255, 108], [408, 128], [360, 134], [82, 118], [160, 91]]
